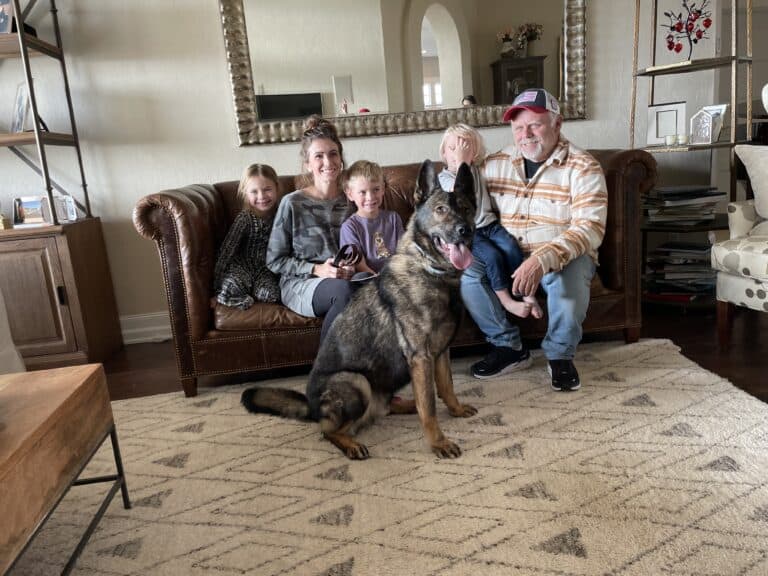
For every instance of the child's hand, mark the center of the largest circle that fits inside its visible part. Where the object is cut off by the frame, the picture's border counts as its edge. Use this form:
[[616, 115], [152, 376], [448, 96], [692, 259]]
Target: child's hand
[[465, 151]]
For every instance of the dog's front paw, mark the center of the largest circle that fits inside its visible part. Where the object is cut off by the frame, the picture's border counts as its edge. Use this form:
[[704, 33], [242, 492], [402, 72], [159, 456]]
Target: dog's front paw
[[357, 452], [446, 449], [463, 411]]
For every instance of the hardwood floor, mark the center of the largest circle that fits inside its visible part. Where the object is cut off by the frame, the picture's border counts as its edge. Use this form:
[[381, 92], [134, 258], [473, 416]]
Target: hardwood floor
[[145, 369]]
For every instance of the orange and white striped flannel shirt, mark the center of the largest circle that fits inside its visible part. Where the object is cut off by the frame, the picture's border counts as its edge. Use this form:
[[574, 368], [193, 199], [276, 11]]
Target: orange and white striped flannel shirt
[[557, 215]]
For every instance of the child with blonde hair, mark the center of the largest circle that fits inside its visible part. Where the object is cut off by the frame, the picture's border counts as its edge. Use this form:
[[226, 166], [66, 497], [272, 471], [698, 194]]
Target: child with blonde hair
[[374, 231], [492, 245], [241, 276]]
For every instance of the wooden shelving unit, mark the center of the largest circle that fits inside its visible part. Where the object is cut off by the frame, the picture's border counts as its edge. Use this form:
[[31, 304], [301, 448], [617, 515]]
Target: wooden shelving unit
[[24, 46], [10, 47], [732, 60], [55, 278]]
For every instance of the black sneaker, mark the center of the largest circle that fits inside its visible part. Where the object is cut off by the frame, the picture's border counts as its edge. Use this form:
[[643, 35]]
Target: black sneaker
[[564, 375], [501, 360]]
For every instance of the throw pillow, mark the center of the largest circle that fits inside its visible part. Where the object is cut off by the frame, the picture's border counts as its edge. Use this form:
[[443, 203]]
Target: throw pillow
[[755, 159], [759, 230]]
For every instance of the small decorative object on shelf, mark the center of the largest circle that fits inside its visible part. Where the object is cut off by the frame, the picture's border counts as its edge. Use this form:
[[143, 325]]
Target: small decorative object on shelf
[[30, 211], [20, 108], [689, 26], [6, 16], [5, 222], [665, 120], [707, 124], [516, 44]]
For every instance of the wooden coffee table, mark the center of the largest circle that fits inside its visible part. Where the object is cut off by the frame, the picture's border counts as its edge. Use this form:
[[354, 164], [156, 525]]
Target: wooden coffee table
[[52, 422]]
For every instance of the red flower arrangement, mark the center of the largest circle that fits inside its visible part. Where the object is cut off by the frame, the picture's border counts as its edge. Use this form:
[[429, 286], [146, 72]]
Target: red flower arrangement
[[690, 26]]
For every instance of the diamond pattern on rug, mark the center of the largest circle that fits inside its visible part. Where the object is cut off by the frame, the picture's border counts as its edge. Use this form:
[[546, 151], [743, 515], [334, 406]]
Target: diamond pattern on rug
[[565, 543], [655, 466]]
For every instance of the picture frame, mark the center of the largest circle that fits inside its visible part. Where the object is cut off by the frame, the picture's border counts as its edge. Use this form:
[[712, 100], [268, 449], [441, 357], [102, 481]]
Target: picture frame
[[6, 16], [707, 124], [21, 109], [66, 210], [30, 211], [665, 120]]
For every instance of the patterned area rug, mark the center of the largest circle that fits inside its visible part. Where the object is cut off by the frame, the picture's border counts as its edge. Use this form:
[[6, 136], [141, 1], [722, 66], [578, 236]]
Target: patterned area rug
[[655, 467]]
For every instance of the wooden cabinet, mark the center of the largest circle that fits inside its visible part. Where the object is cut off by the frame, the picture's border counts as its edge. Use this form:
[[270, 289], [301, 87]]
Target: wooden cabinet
[[513, 75], [58, 291]]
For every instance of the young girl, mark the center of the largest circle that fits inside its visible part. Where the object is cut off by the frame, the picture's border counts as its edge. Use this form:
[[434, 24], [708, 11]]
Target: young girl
[[374, 231], [241, 276], [492, 245]]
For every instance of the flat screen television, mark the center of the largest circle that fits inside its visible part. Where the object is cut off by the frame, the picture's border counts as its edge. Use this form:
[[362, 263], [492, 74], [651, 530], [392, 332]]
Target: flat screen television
[[285, 106]]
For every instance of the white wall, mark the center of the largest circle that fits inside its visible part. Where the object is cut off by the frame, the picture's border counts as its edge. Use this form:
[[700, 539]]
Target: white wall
[[154, 110]]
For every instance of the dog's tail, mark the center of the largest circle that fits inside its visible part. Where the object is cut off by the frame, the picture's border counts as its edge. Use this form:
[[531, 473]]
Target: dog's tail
[[276, 401]]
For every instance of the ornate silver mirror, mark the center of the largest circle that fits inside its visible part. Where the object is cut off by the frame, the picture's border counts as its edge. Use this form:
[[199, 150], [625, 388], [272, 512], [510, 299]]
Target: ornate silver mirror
[[391, 54]]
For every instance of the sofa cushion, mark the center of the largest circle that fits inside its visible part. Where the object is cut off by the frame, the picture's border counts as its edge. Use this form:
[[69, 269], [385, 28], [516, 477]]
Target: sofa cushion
[[742, 257], [755, 159], [260, 317]]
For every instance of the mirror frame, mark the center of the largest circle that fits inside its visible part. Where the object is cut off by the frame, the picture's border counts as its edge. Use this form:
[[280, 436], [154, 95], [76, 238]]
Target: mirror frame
[[251, 131]]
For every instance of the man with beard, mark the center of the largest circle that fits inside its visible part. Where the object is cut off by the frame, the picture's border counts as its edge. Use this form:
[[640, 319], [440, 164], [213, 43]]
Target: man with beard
[[552, 197]]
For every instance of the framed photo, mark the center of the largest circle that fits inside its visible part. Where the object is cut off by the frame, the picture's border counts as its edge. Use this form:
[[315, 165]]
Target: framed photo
[[6, 16], [30, 211], [665, 120], [20, 108]]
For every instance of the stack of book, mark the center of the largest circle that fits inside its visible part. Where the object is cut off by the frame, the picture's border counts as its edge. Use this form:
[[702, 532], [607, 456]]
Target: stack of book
[[683, 205], [679, 272]]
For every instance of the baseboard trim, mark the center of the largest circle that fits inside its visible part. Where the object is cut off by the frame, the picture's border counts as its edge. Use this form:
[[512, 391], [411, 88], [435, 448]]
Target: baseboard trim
[[145, 328]]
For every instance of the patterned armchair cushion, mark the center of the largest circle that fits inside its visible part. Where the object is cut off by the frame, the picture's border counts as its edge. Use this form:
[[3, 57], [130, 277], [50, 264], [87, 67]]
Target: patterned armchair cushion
[[755, 159], [742, 218], [742, 291], [746, 256]]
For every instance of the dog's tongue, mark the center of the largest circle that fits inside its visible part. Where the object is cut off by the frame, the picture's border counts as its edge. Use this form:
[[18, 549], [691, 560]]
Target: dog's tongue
[[460, 256]]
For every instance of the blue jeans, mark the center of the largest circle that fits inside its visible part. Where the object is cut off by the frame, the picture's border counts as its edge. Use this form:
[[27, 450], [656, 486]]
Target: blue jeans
[[499, 252], [567, 302]]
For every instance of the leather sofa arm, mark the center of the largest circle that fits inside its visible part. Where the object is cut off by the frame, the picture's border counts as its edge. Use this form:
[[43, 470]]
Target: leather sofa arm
[[629, 174], [186, 224]]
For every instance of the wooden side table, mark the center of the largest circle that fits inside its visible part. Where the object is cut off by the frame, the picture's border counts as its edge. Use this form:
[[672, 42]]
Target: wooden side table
[[52, 422]]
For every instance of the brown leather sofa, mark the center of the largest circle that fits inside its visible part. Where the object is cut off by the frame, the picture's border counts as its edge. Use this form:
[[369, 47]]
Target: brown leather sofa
[[188, 225]]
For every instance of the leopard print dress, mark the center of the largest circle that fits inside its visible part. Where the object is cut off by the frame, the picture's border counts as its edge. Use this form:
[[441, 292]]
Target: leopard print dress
[[241, 276]]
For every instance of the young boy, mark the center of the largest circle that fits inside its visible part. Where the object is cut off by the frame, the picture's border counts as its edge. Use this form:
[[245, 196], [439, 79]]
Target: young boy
[[374, 231], [492, 245]]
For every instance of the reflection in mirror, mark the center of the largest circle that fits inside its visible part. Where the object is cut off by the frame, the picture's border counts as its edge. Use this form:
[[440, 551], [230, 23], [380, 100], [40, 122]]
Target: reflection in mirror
[[430, 66], [383, 64]]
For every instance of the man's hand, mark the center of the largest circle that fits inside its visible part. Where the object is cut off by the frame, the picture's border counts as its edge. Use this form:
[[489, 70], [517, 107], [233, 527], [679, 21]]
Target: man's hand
[[525, 280]]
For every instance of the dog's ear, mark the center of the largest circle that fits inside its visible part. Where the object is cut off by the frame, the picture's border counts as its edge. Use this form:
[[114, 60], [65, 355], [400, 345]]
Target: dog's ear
[[426, 183], [465, 183]]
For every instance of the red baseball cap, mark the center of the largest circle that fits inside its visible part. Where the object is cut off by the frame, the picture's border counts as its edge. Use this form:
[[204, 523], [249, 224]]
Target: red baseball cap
[[536, 100]]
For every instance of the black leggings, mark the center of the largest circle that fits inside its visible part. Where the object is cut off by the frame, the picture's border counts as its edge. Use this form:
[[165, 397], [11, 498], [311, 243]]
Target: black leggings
[[329, 299]]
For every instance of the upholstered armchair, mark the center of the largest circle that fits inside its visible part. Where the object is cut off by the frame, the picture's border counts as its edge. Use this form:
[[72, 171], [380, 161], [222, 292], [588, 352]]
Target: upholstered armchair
[[742, 260]]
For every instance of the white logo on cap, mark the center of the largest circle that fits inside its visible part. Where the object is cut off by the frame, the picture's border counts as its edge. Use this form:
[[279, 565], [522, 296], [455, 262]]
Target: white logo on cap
[[528, 96]]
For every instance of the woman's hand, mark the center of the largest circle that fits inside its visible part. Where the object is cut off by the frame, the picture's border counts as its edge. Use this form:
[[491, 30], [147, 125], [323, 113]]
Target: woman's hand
[[328, 270]]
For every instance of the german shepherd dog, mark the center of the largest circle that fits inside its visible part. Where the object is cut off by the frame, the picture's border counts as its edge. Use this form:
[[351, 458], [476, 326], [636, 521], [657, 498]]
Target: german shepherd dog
[[396, 329]]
